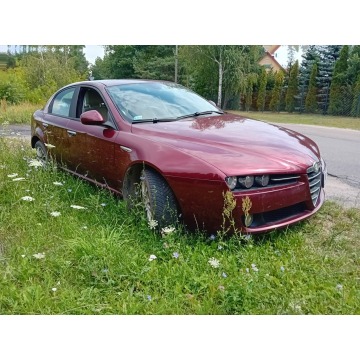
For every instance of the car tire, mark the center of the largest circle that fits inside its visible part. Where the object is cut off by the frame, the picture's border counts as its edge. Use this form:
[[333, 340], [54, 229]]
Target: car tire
[[158, 199], [41, 152]]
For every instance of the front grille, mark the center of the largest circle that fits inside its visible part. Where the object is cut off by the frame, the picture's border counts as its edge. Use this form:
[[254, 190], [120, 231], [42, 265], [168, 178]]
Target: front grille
[[314, 177], [283, 179]]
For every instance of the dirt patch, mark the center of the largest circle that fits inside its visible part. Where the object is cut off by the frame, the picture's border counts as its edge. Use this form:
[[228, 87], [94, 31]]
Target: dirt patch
[[21, 131], [342, 193]]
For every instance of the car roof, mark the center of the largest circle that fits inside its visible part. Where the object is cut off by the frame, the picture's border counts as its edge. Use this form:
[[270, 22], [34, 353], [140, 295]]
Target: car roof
[[111, 82]]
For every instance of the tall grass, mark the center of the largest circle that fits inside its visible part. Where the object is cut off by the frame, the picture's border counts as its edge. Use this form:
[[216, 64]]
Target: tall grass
[[17, 114], [97, 260]]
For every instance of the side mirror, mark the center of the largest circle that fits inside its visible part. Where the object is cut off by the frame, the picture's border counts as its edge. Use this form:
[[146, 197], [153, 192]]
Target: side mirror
[[91, 117]]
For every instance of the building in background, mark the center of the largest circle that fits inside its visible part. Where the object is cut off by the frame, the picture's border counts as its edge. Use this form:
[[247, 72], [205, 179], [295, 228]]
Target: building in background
[[269, 59]]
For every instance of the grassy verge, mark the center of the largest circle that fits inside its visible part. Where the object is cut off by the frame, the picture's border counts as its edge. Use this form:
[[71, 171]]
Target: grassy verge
[[310, 119], [96, 260], [17, 114]]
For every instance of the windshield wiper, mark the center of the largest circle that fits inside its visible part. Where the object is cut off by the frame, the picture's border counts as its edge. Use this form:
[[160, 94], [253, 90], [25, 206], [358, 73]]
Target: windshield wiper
[[198, 113], [154, 120]]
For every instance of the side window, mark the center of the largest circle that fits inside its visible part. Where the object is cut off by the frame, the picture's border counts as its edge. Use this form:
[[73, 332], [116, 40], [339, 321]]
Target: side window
[[62, 102], [91, 100]]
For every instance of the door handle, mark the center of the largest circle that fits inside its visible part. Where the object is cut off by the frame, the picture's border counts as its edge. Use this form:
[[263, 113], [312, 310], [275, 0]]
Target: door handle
[[71, 133]]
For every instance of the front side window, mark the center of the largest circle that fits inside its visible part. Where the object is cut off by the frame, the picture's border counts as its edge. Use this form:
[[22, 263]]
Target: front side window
[[62, 102], [90, 99]]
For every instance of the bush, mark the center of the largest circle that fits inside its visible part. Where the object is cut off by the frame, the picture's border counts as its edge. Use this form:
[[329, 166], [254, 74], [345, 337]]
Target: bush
[[17, 114], [11, 92]]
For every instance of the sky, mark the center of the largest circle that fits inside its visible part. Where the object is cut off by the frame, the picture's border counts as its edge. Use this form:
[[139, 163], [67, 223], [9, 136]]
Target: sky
[[92, 52]]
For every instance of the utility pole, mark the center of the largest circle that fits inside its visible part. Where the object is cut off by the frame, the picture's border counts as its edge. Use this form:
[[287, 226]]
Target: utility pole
[[176, 63]]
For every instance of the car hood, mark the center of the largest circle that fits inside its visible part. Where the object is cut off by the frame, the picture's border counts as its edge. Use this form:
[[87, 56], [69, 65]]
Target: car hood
[[235, 145]]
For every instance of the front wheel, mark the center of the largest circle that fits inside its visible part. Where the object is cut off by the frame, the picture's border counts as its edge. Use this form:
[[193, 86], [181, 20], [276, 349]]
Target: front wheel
[[158, 199]]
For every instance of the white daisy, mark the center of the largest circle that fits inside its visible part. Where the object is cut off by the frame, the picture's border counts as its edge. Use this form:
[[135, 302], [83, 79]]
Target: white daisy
[[167, 230], [153, 224], [215, 263], [39, 256], [35, 163], [78, 207], [27, 198]]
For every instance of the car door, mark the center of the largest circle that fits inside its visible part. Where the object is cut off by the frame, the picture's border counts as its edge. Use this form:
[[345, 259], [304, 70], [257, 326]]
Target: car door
[[97, 150], [55, 124]]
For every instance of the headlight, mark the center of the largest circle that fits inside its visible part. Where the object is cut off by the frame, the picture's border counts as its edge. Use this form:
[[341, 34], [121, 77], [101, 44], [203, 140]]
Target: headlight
[[246, 181], [231, 182], [262, 180]]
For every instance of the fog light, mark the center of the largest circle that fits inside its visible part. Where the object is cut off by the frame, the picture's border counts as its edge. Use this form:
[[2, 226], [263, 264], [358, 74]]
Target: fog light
[[248, 220], [231, 182], [262, 180], [247, 181]]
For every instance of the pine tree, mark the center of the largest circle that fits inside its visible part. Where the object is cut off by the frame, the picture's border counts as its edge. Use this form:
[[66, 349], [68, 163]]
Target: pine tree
[[262, 90], [328, 55], [276, 93], [248, 97], [292, 89], [354, 65], [355, 109], [339, 103], [310, 57], [310, 101]]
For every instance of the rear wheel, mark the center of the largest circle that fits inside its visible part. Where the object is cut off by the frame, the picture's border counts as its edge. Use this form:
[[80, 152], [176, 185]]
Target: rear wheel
[[158, 199], [41, 152]]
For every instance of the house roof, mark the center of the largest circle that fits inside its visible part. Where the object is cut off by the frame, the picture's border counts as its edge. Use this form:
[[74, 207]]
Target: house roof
[[271, 48], [269, 52]]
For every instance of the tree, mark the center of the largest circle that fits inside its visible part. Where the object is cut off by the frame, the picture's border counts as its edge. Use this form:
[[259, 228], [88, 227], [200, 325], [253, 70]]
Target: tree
[[310, 101], [232, 65], [355, 108], [310, 57], [100, 69], [155, 62], [353, 65], [340, 91], [119, 61], [292, 89], [76, 52], [328, 55], [251, 81], [137, 62], [262, 90], [48, 70], [276, 93]]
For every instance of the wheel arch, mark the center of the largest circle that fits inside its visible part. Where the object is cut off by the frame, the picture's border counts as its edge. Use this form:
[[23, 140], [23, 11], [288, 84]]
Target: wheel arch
[[132, 179], [34, 140]]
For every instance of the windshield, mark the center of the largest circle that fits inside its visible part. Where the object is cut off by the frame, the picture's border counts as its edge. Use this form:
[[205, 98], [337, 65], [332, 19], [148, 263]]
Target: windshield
[[157, 100]]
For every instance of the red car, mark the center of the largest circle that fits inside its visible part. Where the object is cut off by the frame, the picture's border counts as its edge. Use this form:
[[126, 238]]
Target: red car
[[160, 143]]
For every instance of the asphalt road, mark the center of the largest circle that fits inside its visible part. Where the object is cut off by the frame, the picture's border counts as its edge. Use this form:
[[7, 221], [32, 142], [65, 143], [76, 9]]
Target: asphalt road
[[340, 148]]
